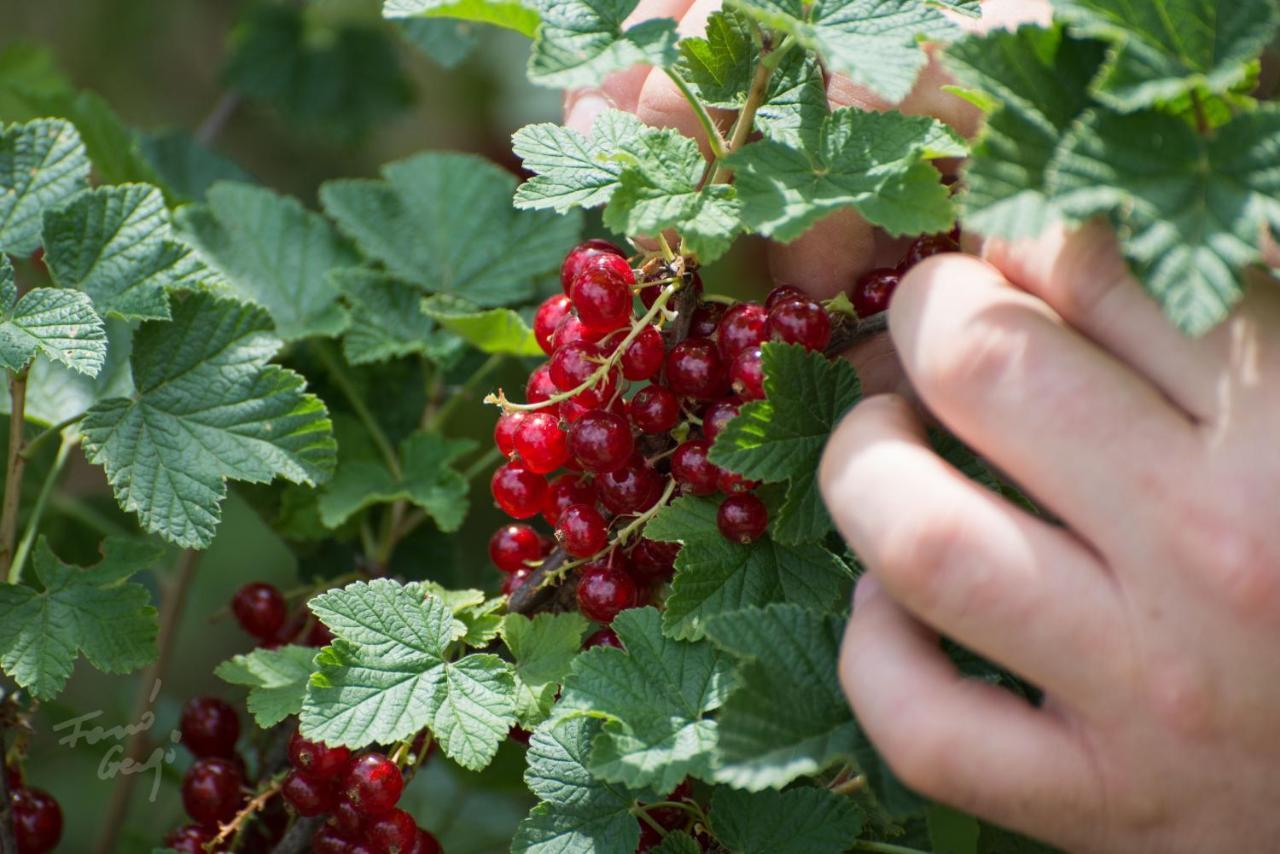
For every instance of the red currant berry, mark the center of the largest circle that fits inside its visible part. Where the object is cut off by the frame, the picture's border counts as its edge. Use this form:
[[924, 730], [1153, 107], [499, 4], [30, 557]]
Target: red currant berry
[[373, 783], [346, 819], [741, 327], [549, 315], [519, 735], [582, 530], [37, 820], [317, 759], [672, 818], [319, 635], [307, 795], [601, 441], [694, 369], [519, 491], [189, 839], [427, 844], [513, 581], [643, 357], [692, 470], [541, 443], [742, 518], [873, 290], [800, 321], [926, 246], [211, 790], [504, 432], [653, 561], [540, 387], [392, 833], [717, 414], [605, 591], [730, 482], [601, 293], [604, 637], [587, 400], [573, 364], [260, 609], [572, 330], [580, 254], [565, 490], [633, 488], [748, 374], [781, 293], [328, 840], [706, 318], [209, 727], [513, 546], [654, 410]]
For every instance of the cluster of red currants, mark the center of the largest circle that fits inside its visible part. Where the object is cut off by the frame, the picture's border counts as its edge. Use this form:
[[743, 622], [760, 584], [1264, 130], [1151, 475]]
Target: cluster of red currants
[[261, 610], [631, 414], [359, 794], [36, 816], [874, 288]]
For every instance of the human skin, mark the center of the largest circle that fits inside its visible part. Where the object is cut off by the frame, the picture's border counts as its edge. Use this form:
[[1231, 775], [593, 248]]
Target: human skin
[[1149, 612]]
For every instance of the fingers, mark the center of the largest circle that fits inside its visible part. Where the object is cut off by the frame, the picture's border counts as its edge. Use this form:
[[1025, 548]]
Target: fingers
[[967, 562], [1076, 427], [826, 259], [961, 741]]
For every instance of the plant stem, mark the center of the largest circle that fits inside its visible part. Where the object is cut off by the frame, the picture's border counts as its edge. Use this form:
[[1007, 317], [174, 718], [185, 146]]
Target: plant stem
[[33, 522], [746, 120], [228, 831], [217, 118], [465, 391], [14, 468], [48, 433], [338, 373], [171, 607], [1202, 122], [883, 847], [481, 464], [714, 139]]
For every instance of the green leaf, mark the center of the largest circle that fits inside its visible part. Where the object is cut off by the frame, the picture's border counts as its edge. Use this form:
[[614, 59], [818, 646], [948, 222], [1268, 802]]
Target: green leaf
[[445, 42], [56, 393], [207, 408], [795, 104], [578, 813], [115, 244], [873, 162], [654, 698], [677, 842], [388, 675], [873, 42], [274, 253], [427, 480], [717, 576], [186, 167], [580, 42], [494, 330], [444, 222], [542, 648], [502, 13], [386, 319], [788, 718], [804, 820], [951, 831], [276, 678], [336, 77], [782, 437], [1163, 49], [1040, 79], [95, 612], [719, 67], [42, 164], [1190, 209], [659, 189], [572, 170], [61, 325]]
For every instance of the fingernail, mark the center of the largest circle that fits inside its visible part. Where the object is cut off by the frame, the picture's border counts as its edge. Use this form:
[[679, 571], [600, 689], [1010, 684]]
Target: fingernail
[[582, 113], [866, 588]]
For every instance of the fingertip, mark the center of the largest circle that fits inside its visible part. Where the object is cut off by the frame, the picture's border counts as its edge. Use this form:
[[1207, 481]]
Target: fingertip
[[582, 107]]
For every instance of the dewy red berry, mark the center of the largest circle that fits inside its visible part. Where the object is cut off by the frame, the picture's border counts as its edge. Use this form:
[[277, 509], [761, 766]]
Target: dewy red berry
[[582, 253], [742, 518], [748, 374], [717, 414], [694, 369], [37, 820], [926, 246], [211, 790], [260, 609], [346, 819], [540, 387], [394, 832], [573, 364], [190, 838], [706, 318], [582, 530], [427, 844], [550, 314], [873, 290], [373, 784], [654, 409], [741, 327], [730, 482], [307, 795], [513, 581], [601, 292], [653, 561], [601, 441], [504, 432], [643, 357], [781, 293], [565, 490], [633, 488], [692, 470], [317, 759], [209, 727], [541, 443], [519, 492], [605, 591], [513, 547], [572, 330], [604, 637], [799, 321]]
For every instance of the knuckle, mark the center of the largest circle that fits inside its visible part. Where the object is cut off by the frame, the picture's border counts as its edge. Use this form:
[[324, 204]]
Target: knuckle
[[976, 355], [1239, 565], [927, 560], [1182, 697]]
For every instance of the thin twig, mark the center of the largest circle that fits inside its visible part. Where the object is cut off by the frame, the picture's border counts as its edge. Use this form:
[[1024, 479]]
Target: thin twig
[[48, 433], [756, 95], [846, 333], [464, 393], [171, 608], [14, 468], [714, 139], [343, 381], [33, 521], [217, 118]]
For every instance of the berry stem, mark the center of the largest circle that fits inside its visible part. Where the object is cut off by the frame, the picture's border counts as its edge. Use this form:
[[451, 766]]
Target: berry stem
[[29, 450], [883, 847], [755, 97], [33, 521], [714, 140], [640, 812], [436, 420], [14, 468], [639, 522], [232, 828], [347, 386]]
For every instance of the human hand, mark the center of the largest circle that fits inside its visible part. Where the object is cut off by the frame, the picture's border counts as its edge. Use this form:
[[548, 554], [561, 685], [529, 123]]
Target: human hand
[[1150, 618]]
